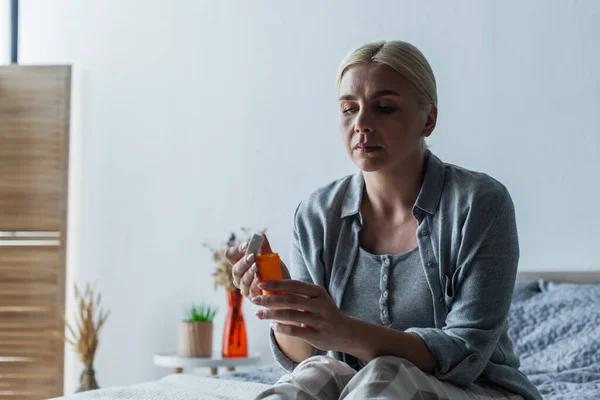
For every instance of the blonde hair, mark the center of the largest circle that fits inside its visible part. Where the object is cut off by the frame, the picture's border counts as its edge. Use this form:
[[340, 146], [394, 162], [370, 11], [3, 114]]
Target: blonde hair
[[403, 57]]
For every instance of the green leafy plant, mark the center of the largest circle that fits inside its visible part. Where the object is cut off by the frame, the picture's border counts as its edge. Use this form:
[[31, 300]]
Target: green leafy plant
[[200, 313]]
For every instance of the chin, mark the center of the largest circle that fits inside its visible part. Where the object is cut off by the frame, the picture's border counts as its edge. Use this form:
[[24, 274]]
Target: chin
[[369, 165]]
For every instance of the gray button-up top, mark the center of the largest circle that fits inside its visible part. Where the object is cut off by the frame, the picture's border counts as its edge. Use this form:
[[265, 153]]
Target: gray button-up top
[[468, 244]]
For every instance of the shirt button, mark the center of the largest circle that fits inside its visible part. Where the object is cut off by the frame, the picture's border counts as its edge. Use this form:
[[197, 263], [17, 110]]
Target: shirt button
[[430, 263], [386, 261], [441, 299], [385, 294], [385, 278], [385, 313], [425, 233], [473, 358]]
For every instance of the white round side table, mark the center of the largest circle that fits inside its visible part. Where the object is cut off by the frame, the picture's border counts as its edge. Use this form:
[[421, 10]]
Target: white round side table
[[172, 360]]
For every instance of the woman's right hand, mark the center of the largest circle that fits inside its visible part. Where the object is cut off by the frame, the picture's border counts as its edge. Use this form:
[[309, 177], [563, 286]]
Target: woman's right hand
[[245, 270]]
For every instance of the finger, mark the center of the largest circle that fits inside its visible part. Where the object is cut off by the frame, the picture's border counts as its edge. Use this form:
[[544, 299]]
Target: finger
[[287, 300], [299, 318], [265, 248], [254, 290], [248, 277], [235, 253], [245, 290], [293, 286], [240, 268], [303, 332]]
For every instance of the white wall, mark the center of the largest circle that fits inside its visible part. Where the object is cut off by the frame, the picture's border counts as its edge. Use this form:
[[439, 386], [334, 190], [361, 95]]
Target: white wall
[[197, 117], [4, 32]]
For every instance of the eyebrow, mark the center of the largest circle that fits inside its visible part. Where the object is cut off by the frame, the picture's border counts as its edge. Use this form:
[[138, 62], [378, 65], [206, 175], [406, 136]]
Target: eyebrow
[[380, 93]]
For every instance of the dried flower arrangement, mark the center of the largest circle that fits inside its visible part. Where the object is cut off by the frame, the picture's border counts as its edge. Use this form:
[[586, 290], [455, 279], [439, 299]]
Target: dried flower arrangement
[[85, 339], [223, 276]]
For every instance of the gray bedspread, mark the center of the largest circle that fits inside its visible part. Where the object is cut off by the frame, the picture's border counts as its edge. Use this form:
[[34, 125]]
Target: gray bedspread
[[555, 328]]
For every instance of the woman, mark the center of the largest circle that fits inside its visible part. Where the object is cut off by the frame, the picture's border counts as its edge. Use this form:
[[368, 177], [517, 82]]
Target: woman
[[405, 270]]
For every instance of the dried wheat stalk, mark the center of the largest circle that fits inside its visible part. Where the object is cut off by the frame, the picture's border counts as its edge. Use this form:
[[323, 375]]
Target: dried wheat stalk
[[85, 337]]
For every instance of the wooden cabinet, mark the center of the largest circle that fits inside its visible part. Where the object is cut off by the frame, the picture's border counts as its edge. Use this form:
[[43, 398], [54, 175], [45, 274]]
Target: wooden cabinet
[[34, 154]]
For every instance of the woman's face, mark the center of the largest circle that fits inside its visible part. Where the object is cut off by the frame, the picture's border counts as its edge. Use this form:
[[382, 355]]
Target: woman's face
[[382, 120]]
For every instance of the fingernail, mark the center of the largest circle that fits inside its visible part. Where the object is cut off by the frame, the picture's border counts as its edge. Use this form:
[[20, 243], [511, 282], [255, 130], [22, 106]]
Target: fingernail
[[250, 258], [259, 313], [254, 267], [263, 285], [244, 246], [257, 300]]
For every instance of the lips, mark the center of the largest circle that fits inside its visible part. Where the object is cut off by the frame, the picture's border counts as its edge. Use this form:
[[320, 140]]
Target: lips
[[366, 147]]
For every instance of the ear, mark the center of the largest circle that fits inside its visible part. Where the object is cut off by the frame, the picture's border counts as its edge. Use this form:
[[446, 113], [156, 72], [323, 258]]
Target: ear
[[431, 121]]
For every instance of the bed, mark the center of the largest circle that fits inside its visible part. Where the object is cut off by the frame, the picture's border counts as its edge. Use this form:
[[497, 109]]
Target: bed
[[554, 323]]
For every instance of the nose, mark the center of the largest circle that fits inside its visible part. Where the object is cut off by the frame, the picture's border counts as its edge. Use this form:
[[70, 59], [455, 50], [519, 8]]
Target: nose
[[363, 123]]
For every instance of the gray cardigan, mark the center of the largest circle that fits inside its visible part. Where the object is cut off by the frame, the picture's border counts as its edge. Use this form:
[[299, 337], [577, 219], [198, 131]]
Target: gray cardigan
[[467, 239]]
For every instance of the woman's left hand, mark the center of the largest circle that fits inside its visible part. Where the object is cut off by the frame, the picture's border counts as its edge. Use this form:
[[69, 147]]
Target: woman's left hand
[[306, 311]]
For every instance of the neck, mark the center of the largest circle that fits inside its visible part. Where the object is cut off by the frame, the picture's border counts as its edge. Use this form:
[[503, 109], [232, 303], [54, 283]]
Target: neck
[[391, 194]]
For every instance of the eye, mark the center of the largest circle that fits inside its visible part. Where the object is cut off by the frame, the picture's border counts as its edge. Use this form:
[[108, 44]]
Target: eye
[[348, 110], [386, 109]]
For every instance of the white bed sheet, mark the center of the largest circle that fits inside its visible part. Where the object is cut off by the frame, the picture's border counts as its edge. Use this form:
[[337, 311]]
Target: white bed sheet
[[177, 387]]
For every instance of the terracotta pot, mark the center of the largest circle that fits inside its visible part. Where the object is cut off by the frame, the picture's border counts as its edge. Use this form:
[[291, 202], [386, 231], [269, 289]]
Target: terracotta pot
[[195, 339]]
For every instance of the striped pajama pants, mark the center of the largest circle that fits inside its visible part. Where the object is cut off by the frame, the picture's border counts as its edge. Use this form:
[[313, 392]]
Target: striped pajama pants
[[326, 378]]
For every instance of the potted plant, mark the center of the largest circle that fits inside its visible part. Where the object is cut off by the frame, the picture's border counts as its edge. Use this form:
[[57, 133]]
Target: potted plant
[[195, 332]]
